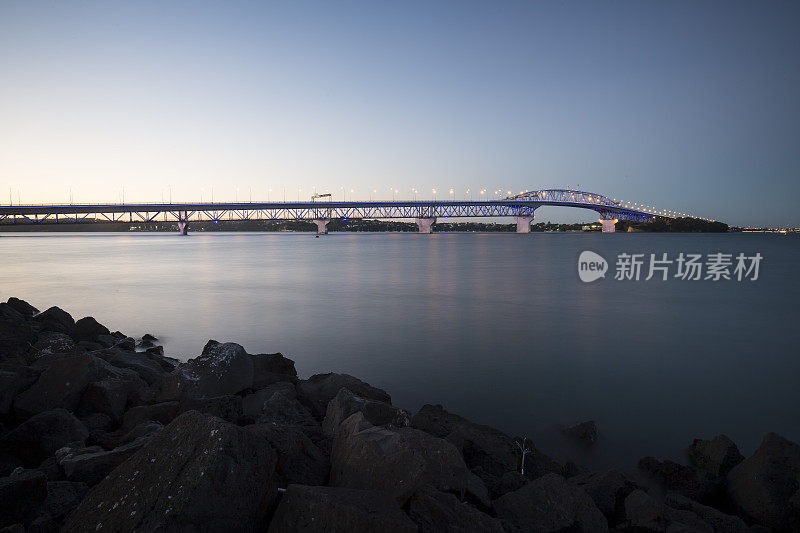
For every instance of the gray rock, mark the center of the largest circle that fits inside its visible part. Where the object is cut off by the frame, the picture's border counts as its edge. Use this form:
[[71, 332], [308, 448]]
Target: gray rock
[[253, 404], [693, 483], [718, 520], [477, 493], [40, 436], [644, 514], [51, 342], [319, 389], [14, 378], [96, 421], [225, 407], [16, 333], [20, 495], [549, 503], [200, 473], [89, 329], [311, 509], [55, 319], [22, 307], [92, 467], [60, 384], [435, 511], [717, 456], [511, 481], [155, 350], [398, 462], [222, 369], [584, 431], [608, 490], [282, 411], [272, 368], [147, 369], [377, 413], [487, 452], [160, 412], [761, 487], [109, 397], [50, 468], [62, 498], [300, 461]]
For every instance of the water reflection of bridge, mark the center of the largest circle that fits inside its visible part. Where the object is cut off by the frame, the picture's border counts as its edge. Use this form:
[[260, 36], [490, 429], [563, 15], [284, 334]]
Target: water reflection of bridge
[[521, 207]]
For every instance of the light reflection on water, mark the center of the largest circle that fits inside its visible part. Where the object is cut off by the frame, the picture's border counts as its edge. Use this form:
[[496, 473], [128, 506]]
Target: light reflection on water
[[495, 327]]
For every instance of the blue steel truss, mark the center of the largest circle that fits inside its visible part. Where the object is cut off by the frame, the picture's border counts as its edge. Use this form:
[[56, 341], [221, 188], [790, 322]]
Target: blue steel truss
[[520, 205]]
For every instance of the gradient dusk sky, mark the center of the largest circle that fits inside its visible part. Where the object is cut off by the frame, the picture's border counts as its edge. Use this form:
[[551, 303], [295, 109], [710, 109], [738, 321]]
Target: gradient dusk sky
[[691, 105]]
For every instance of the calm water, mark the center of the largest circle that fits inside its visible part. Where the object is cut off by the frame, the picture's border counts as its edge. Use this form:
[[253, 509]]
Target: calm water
[[495, 327]]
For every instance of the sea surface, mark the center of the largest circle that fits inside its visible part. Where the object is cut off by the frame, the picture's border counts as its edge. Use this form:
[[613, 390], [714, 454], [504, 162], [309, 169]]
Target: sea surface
[[495, 327]]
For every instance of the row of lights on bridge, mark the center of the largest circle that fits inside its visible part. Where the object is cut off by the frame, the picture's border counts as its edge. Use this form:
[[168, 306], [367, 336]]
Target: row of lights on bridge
[[655, 211]]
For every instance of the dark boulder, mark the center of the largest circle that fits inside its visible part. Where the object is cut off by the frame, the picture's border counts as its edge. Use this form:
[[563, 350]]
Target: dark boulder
[[155, 350], [200, 473], [319, 389], [225, 407], [163, 412], [60, 384], [760, 487], [150, 371], [377, 413], [253, 404], [20, 495], [586, 432], [22, 307], [270, 368], [693, 483], [718, 520], [488, 452], [510, 481], [300, 461], [57, 320], [717, 456], [399, 462], [279, 410], [16, 333], [435, 511], [549, 503], [91, 467], [14, 378], [311, 509], [51, 342], [62, 498], [149, 337], [40, 436], [223, 368], [89, 329], [644, 514], [608, 490], [109, 397]]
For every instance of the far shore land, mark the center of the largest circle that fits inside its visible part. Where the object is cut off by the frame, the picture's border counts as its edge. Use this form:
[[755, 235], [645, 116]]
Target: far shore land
[[661, 225], [100, 431]]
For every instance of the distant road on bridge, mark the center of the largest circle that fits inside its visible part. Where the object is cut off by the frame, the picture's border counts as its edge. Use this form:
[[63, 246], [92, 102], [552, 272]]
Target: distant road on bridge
[[521, 207]]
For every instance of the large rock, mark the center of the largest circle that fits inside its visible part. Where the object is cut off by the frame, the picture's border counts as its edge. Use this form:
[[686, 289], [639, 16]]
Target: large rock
[[223, 368], [644, 514], [225, 407], [57, 320], [717, 456], [435, 511], [319, 389], [160, 412], [549, 503], [51, 342], [313, 509], [16, 333], [89, 329], [62, 498], [271, 368], [608, 490], [14, 378], [20, 495], [345, 403], [585, 432], [253, 405], [300, 461], [40, 436], [760, 487], [718, 520], [398, 462], [92, 467], [150, 371], [60, 384], [22, 307], [109, 397], [693, 483], [488, 452], [281, 411], [199, 474]]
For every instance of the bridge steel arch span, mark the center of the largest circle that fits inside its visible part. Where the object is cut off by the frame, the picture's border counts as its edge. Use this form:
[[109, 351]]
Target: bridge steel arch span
[[521, 207]]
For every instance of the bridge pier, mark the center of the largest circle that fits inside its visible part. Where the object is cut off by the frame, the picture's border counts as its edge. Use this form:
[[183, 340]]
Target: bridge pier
[[183, 227], [524, 223], [322, 225], [608, 225], [425, 224]]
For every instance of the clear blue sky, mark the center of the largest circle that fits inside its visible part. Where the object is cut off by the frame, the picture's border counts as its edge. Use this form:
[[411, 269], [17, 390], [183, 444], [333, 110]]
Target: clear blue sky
[[690, 106]]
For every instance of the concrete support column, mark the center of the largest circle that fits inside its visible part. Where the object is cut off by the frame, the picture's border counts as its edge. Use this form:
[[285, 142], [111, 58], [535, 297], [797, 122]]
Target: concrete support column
[[524, 223], [425, 224], [608, 225], [322, 225], [183, 227]]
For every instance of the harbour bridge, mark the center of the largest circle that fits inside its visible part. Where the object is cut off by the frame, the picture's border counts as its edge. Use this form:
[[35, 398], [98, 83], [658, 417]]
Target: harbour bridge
[[521, 207]]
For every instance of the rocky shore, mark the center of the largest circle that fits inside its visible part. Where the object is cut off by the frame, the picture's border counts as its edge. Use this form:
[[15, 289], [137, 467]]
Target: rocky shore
[[100, 431]]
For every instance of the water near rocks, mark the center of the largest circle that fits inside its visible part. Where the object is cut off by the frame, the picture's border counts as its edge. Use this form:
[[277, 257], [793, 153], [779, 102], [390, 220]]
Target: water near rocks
[[498, 328]]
